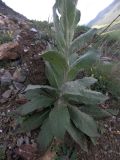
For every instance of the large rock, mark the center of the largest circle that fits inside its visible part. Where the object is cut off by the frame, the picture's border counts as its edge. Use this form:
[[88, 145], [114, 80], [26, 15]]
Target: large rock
[[19, 75], [7, 51]]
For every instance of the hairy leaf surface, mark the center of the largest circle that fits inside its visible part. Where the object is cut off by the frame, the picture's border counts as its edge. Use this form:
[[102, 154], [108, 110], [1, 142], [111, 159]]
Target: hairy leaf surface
[[84, 122], [36, 103], [59, 120], [45, 136]]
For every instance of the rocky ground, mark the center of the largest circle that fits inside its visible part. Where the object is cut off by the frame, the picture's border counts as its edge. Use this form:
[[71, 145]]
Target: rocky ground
[[20, 65]]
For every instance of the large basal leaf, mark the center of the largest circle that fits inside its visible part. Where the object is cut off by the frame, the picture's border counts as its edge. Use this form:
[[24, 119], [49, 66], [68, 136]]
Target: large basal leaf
[[83, 41], [75, 91], [45, 136], [59, 119], [83, 62], [34, 121], [84, 122], [43, 89], [36, 103], [87, 97], [78, 136], [33, 93], [95, 112], [58, 64], [85, 82]]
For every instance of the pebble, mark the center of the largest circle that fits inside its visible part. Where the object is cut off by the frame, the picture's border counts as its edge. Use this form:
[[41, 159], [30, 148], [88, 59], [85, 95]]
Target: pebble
[[26, 140], [20, 141], [2, 101], [7, 94], [19, 86], [6, 78], [26, 50], [33, 30], [1, 131], [3, 114]]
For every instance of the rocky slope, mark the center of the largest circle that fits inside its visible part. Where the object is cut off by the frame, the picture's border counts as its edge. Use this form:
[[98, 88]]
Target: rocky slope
[[107, 15], [5, 10], [20, 65]]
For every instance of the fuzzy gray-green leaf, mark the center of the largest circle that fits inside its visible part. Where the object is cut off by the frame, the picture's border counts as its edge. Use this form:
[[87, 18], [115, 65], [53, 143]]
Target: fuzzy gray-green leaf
[[84, 122], [76, 91], [45, 136], [78, 136], [36, 103], [83, 62], [58, 64], [96, 112], [82, 41], [33, 121], [59, 120]]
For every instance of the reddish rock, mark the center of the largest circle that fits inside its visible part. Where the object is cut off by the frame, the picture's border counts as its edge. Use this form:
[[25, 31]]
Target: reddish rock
[[27, 151], [7, 51]]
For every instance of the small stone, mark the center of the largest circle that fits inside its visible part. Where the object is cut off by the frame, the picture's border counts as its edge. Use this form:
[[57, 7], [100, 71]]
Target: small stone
[[33, 30], [26, 140], [19, 75], [32, 141], [3, 114], [19, 86], [11, 87], [26, 50], [32, 44], [2, 101], [28, 134], [18, 37], [20, 141], [6, 79], [2, 71], [15, 91], [118, 119], [21, 96], [1, 131], [8, 111], [7, 94]]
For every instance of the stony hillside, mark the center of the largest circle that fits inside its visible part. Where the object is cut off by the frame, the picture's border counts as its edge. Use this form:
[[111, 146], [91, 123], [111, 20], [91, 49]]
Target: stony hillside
[[107, 15], [5, 10]]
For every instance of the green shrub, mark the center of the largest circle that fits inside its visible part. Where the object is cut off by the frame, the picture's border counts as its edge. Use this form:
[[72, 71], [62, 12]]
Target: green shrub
[[80, 30], [67, 105], [5, 37], [45, 27], [2, 154], [108, 76]]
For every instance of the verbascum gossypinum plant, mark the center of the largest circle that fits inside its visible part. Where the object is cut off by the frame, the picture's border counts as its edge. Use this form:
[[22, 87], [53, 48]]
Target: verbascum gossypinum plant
[[66, 105]]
